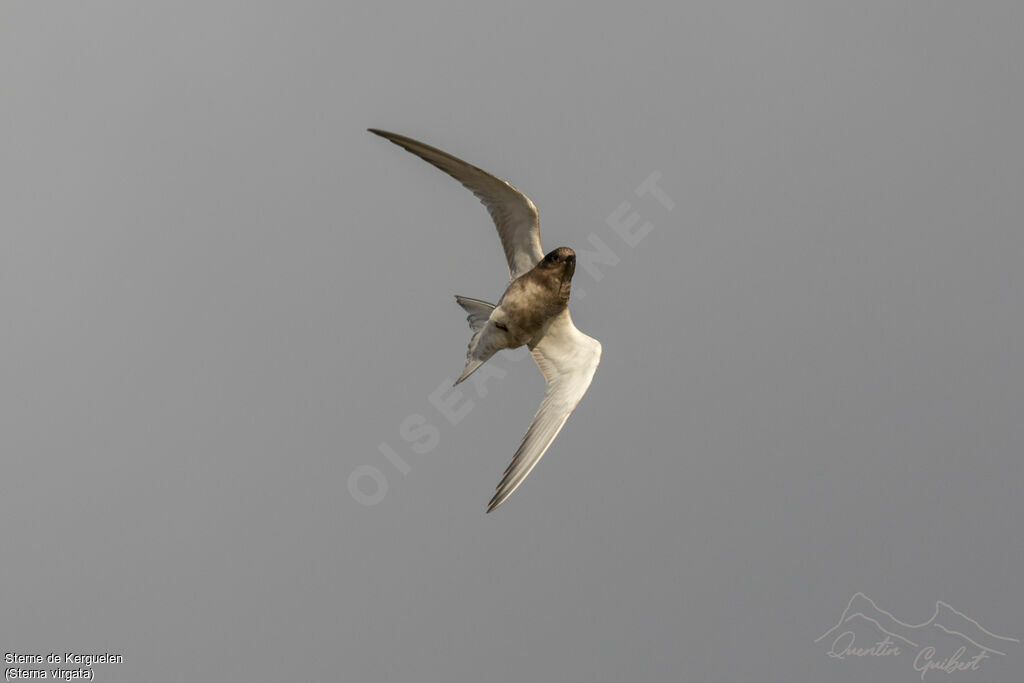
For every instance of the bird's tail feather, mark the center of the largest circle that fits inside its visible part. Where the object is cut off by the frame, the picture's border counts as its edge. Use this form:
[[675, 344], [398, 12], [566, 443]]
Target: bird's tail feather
[[471, 365], [479, 311], [476, 355]]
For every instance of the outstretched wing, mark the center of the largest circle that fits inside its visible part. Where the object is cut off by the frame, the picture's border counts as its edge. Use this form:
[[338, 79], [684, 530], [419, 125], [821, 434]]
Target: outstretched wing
[[512, 211], [568, 359]]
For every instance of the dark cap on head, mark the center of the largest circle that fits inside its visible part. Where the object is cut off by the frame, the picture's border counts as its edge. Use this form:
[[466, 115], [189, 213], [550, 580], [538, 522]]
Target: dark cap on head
[[561, 261], [560, 255]]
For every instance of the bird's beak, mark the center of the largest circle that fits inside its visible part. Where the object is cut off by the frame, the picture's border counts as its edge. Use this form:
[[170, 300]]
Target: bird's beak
[[570, 267]]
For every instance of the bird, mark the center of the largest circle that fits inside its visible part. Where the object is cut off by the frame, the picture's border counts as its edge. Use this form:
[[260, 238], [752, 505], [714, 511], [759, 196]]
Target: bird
[[533, 310]]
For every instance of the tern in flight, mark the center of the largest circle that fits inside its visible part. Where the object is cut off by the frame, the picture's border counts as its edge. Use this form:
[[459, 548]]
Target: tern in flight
[[534, 310]]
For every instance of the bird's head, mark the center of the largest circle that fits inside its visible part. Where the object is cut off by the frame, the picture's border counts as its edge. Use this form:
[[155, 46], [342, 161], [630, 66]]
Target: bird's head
[[561, 261]]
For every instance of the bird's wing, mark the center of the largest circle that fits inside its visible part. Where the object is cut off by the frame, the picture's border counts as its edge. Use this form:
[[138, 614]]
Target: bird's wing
[[512, 211], [568, 358]]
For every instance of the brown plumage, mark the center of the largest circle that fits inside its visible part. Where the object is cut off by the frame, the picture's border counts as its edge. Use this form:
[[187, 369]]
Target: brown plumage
[[534, 310]]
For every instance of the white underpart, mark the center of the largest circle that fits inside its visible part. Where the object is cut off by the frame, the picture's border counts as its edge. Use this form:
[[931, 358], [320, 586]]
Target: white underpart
[[568, 359]]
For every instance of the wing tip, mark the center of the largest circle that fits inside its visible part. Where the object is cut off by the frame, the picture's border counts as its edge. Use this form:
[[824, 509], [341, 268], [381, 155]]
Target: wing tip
[[387, 135]]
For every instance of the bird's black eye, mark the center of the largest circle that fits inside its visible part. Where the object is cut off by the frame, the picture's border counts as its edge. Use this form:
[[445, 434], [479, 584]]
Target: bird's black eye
[[500, 326]]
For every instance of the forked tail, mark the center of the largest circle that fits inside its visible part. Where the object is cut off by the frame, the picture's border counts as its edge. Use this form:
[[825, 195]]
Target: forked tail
[[477, 353], [478, 311]]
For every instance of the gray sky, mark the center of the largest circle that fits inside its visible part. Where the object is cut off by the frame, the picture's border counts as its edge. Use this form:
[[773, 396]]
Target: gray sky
[[220, 295]]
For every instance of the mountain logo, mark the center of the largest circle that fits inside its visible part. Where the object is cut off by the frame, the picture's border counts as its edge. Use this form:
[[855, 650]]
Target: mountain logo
[[949, 642]]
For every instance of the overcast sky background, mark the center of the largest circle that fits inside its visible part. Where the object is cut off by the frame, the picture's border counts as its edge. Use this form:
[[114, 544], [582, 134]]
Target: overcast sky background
[[219, 295]]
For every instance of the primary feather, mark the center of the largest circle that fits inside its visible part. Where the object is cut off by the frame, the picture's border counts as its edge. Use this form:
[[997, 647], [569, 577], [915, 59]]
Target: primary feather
[[566, 357]]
